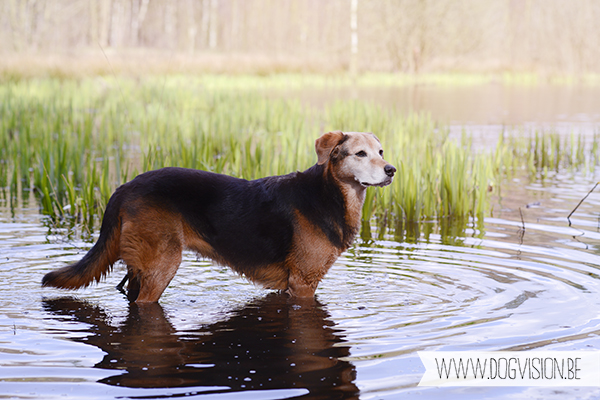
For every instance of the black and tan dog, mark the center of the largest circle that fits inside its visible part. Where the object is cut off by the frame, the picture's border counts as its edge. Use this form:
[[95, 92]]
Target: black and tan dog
[[283, 232]]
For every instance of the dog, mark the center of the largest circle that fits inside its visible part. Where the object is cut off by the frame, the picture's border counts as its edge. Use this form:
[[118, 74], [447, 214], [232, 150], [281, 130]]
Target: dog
[[282, 232]]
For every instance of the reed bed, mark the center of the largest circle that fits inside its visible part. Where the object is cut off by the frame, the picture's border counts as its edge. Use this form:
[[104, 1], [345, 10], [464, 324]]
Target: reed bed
[[73, 142]]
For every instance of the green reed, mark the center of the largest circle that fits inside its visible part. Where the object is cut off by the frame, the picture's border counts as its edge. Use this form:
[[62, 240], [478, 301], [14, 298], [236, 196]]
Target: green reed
[[542, 153], [74, 141]]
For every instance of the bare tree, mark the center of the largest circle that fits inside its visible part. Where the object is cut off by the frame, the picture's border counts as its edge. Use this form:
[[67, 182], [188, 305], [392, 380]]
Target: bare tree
[[105, 21], [212, 26], [353, 37], [139, 10]]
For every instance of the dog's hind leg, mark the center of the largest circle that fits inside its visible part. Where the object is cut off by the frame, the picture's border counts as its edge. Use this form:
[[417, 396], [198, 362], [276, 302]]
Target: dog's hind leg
[[148, 284], [133, 288], [151, 249], [121, 286]]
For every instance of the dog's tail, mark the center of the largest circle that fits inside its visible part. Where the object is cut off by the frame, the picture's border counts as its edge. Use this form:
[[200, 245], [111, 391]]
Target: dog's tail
[[99, 260]]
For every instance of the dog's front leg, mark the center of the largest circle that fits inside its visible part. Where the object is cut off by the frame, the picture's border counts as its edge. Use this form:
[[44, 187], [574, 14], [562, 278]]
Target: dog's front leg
[[298, 286]]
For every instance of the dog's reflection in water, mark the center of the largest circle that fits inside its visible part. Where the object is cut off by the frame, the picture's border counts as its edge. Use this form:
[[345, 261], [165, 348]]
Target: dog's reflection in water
[[272, 343]]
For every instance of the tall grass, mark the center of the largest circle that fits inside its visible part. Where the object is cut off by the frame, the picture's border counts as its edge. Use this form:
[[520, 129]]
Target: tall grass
[[73, 142]]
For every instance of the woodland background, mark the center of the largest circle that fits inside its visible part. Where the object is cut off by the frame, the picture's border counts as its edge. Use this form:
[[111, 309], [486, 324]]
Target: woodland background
[[322, 36]]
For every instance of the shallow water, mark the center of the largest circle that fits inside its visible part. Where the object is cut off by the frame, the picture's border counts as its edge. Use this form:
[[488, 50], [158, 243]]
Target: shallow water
[[500, 288], [486, 107]]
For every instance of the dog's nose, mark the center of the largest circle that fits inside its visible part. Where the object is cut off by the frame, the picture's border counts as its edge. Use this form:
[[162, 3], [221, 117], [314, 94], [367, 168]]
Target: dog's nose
[[389, 170]]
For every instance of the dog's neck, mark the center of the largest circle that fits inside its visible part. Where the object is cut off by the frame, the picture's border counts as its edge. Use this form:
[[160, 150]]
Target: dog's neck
[[355, 199], [344, 202]]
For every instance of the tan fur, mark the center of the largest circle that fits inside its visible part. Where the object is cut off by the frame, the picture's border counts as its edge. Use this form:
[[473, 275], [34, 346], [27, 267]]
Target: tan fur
[[311, 257], [151, 247], [272, 276], [325, 144]]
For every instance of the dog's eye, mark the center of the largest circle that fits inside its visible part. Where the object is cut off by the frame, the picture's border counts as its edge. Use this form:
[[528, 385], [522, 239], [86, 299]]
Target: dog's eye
[[361, 154], [381, 153]]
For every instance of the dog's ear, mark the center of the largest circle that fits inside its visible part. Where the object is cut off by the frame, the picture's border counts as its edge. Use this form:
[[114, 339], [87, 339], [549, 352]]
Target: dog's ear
[[326, 143]]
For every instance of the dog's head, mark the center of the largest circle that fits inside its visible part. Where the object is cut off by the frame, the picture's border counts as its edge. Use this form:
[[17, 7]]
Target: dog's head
[[355, 157]]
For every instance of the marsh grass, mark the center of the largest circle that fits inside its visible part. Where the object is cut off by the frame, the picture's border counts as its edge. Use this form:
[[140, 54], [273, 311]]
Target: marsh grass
[[543, 153], [73, 142]]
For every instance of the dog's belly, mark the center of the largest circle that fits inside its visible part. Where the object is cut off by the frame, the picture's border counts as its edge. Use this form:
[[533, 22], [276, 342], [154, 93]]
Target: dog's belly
[[262, 266]]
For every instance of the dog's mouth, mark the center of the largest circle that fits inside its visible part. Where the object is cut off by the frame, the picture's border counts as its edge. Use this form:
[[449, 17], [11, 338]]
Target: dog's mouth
[[385, 182]]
